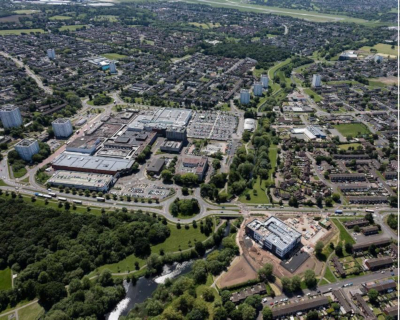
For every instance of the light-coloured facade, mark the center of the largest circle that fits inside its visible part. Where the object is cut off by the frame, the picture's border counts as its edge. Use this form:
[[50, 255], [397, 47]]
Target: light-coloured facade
[[51, 53], [27, 149], [113, 68], [258, 89], [10, 116], [316, 81], [264, 81], [62, 128], [244, 96]]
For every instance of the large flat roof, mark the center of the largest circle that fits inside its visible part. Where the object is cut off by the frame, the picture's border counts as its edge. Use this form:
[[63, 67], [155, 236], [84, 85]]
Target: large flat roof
[[84, 179], [275, 231], [163, 117], [77, 161]]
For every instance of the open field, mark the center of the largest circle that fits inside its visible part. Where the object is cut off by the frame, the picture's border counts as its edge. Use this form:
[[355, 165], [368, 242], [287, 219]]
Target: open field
[[349, 145], [5, 279], [239, 272], [261, 196], [32, 312], [110, 18], [19, 31], [313, 95], [352, 129], [60, 18], [344, 235], [386, 81], [329, 275], [114, 56], [25, 11], [72, 27], [385, 49], [205, 25]]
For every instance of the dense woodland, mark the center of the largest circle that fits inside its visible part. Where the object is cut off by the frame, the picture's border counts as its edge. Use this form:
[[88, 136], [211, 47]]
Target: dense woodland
[[49, 248]]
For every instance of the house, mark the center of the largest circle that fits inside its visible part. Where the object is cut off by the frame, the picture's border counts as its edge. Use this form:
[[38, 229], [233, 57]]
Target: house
[[339, 267], [368, 200], [379, 263], [382, 287], [365, 245], [360, 222], [369, 230], [301, 306], [341, 298]]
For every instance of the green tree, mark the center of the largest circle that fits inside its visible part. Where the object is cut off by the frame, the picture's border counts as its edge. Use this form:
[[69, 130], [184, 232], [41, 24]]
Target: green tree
[[339, 250], [265, 273], [50, 293], [312, 315], [310, 279], [267, 314], [296, 283], [319, 246], [373, 296]]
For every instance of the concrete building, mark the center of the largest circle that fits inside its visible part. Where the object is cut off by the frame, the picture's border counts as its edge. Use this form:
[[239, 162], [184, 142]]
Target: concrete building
[[156, 166], [244, 96], [10, 116], [348, 55], [82, 180], [62, 128], [274, 235], [27, 148], [264, 81], [113, 68], [51, 53], [176, 133], [309, 133], [258, 89], [171, 146], [85, 163], [249, 124], [316, 81], [378, 58], [193, 164]]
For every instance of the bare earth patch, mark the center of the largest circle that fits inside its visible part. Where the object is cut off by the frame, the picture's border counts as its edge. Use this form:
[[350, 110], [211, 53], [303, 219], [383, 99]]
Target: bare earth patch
[[239, 272]]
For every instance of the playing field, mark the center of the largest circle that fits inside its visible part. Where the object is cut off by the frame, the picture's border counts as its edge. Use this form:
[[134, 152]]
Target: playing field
[[19, 31], [352, 129], [114, 56], [60, 18], [383, 49], [72, 28]]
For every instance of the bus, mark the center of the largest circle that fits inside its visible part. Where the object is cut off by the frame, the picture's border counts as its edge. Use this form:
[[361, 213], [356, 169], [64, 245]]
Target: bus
[[100, 199], [338, 211], [77, 201], [52, 194], [369, 211], [62, 199], [38, 194], [46, 196]]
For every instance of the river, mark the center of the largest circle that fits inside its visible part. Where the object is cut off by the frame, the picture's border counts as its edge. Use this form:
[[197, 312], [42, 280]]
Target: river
[[145, 287]]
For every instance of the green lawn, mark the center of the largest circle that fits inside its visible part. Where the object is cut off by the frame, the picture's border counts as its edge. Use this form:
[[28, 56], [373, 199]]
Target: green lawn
[[346, 146], [352, 129], [72, 27], [3, 184], [20, 173], [179, 239], [5, 279], [19, 31], [32, 312], [60, 18], [114, 56], [344, 235], [323, 282], [25, 11], [110, 18], [261, 196], [329, 275], [382, 48], [313, 94]]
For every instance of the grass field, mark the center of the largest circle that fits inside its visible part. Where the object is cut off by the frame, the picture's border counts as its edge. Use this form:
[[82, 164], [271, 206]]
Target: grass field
[[349, 145], [25, 11], [352, 129], [19, 31], [5, 279], [110, 18], [329, 275], [315, 96], [261, 196], [3, 184], [382, 48], [114, 56], [32, 312], [344, 235], [60, 18], [72, 27], [20, 173], [179, 239]]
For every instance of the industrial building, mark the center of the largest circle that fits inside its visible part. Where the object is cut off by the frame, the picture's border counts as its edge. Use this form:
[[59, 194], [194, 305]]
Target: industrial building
[[249, 124], [156, 166], [274, 235], [51, 54], [193, 164], [10, 116], [316, 81], [85, 163], [85, 144], [264, 81], [27, 148], [161, 119], [348, 55], [244, 96], [62, 128], [82, 180], [258, 89]]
